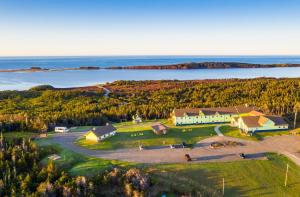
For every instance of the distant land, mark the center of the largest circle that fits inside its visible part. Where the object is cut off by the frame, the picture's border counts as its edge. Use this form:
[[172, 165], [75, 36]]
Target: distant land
[[180, 66], [204, 65], [39, 69]]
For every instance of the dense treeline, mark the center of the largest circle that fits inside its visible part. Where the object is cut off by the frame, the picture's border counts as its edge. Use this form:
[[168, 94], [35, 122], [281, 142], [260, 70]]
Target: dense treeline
[[44, 109], [204, 65]]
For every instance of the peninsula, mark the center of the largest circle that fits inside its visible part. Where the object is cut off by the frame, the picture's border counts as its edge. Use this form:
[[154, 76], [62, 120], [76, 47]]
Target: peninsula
[[203, 65], [180, 66]]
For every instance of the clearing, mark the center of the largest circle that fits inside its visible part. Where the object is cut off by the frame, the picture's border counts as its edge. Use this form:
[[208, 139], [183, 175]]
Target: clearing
[[131, 135]]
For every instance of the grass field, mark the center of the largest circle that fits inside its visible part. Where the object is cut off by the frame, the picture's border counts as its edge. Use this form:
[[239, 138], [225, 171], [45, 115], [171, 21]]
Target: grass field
[[132, 135], [235, 132], [80, 128], [242, 178], [78, 164]]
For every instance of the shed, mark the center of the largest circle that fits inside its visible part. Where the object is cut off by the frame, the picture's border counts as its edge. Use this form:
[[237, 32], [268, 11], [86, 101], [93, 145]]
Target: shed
[[159, 129]]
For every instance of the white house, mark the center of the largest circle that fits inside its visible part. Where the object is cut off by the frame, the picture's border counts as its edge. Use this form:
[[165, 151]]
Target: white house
[[61, 129]]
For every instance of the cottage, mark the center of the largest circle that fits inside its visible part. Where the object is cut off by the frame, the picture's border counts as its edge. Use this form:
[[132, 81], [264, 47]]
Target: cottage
[[159, 129], [251, 124], [210, 115], [61, 129], [100, 133]]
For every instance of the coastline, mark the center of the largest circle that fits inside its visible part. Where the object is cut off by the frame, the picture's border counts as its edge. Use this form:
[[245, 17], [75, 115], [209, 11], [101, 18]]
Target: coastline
[[38, 69], [180, 66]]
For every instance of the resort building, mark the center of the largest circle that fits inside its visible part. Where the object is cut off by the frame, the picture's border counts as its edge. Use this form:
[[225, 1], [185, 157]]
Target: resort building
[[100, 133], [210, 115], [251, 124], [159, 129], [248, 119]]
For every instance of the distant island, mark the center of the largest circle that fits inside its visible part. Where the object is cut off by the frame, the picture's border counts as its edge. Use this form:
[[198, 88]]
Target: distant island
[[180, 66], [39, 69], [203, 65]]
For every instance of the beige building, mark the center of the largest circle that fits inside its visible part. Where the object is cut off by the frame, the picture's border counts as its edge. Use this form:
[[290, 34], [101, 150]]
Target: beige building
[[210, 115], [100, 133], [251, 124]]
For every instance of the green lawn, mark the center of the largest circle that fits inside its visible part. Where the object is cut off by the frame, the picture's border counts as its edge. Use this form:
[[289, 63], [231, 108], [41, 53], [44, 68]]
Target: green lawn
[[242, 178], [131, 135], [80, 128], [261, 135], [235, 132], [78, 164]]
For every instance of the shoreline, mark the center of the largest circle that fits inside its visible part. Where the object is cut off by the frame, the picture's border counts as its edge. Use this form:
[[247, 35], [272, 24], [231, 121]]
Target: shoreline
[[181, 66], [100, 85]]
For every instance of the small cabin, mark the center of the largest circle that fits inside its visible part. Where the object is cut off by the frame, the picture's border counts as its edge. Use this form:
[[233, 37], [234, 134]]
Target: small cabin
[[159, 129], [61, 129], [100, 133]]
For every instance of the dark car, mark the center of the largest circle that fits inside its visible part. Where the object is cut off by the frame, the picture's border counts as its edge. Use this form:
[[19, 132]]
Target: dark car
[[242, 155], [188, 157]]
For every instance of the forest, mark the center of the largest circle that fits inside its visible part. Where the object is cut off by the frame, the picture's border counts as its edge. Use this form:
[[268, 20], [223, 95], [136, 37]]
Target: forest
[[41, 109]]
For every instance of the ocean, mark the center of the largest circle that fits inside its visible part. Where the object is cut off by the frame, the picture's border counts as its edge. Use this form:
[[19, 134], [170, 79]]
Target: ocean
[[21, 81]]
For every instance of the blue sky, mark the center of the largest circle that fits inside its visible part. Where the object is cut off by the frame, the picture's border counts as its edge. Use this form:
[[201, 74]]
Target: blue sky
[[149, 27]]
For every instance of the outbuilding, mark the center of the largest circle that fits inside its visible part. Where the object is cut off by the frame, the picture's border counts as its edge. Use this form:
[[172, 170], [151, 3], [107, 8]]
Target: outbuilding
[[100, 133], [159, 129]]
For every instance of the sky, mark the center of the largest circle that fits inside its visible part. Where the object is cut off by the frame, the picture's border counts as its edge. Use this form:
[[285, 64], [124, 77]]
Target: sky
[[149, 27]]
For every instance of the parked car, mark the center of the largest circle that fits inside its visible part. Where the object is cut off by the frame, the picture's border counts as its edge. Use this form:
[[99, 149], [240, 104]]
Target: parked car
[[242, 155], [141, 147], [172, 146], [188, 157]]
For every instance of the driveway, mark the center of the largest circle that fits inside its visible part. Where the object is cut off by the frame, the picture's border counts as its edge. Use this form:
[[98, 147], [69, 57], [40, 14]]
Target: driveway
[[217, 130], [287, 145]]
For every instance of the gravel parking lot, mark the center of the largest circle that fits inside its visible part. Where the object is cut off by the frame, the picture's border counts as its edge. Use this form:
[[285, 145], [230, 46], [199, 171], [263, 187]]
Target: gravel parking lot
[[287, 145]]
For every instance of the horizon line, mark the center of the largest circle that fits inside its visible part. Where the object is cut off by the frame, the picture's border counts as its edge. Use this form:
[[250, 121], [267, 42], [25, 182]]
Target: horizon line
[[151, 55]]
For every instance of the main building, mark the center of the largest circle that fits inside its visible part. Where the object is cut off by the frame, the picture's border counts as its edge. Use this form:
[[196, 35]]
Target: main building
[[247, 118]]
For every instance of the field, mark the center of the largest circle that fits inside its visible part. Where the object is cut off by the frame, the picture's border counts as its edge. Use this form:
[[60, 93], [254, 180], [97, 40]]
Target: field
[[131, 135], [235, 132], [78, 164], [243, 178]]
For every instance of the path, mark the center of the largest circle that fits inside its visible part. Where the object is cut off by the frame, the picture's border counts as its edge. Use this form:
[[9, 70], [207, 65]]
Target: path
[[106, 91], [287, 145], [217, 130]]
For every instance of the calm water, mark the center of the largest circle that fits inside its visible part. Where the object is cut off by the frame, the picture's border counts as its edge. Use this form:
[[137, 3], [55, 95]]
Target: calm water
[[9, 81]]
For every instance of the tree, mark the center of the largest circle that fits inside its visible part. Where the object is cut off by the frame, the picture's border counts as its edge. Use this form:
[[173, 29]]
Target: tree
[[296, 109]]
